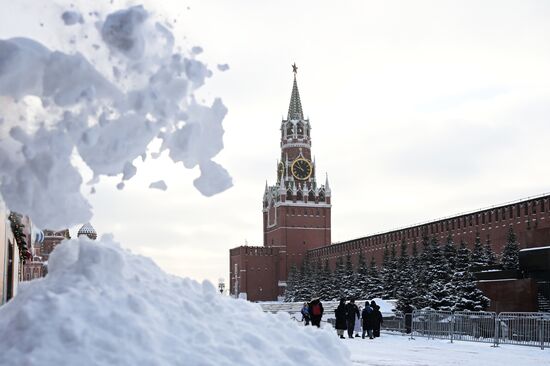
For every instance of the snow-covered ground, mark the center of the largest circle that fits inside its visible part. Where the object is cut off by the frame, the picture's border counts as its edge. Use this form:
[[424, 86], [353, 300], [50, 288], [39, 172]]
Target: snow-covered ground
[[398, 350]]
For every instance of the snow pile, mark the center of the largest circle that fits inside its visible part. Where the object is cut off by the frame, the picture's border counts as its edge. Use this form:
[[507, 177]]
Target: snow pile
[[101, 305], [123, 83]]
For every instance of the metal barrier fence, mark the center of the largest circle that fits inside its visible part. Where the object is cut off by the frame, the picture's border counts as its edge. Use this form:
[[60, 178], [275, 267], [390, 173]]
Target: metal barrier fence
[[432, 324], [475, 326], [393, 323], [528, 329]]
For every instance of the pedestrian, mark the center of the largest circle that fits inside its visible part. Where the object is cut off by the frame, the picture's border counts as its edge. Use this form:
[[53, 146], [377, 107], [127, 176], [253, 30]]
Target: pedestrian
[[408, 309], [305, 313], [357, 328], [368, 320], [340, 313], [378, 320], [316, 311], [352, 313]]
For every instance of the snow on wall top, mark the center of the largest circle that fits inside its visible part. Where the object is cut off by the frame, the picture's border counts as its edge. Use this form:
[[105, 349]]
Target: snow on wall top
[[123, 83], [102, 305]]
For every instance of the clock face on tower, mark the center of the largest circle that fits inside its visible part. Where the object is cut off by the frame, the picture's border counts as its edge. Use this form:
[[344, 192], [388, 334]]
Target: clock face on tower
[[301, 169]]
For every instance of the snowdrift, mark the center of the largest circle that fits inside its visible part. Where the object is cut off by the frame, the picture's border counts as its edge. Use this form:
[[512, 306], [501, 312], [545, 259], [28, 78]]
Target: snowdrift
[[102, 305]]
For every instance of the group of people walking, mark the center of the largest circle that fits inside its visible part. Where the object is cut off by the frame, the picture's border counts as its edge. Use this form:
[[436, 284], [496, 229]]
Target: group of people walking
[[349, 317], [313, 312]]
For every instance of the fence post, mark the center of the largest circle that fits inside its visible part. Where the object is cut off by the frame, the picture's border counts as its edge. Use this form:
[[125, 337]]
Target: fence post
[[497, 328], [541, 332], [452, 327]]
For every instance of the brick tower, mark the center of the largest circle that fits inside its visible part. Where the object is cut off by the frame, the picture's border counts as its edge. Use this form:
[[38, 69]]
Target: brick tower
[[296, 210], [296, 215]]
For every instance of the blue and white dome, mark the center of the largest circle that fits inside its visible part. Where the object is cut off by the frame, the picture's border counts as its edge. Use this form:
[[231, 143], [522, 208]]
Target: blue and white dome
[[88, 230]]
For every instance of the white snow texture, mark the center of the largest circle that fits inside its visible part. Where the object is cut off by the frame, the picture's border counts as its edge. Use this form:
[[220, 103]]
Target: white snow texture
[[107, 102], [102, 305]]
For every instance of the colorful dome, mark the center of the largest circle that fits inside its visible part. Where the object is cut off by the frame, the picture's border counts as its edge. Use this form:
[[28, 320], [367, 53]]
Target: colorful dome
[[88, 230]]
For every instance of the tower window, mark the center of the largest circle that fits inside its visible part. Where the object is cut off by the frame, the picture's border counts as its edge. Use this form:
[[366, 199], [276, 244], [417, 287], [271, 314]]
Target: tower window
[[300, 129], [289, 130], [542, 204]]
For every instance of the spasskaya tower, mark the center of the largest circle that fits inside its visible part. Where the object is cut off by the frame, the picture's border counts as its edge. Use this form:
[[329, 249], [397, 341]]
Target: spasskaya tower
[[296, 214], [296, 208]]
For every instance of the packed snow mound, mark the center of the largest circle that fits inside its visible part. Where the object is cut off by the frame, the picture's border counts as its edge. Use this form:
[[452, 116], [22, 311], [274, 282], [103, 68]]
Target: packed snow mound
[[102, 305], [120, 82]]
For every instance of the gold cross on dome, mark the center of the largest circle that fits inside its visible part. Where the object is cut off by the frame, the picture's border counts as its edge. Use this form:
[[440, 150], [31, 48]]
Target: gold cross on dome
[[294, 68]]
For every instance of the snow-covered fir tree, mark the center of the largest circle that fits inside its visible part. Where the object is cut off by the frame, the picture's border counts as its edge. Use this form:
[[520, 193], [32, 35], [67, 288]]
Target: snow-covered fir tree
[[349, 283], [362, 276], [421, 296], [291, 282], [438, 278], [478, 253], [374, 285], [464, 293], [449, 252], [325, 282], [510, 254], [388, 272], [304, 285], [337, 290], [489, 256]]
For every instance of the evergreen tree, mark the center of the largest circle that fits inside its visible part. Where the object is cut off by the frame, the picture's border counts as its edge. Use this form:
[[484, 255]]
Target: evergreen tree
[[449, 252], [291, 284], [490, 256], [421, 298], [374, 285], [463, 255], [387, 273], [316, 271], [325, 283], [438, 277], [402, 272], [465, 294], [478, 253], [304, 289], [405, 275], [338, 280], [348, 281], [362, 277], [510, 254]]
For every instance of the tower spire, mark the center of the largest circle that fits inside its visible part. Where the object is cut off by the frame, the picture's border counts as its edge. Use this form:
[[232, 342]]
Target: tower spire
[[295, 107]]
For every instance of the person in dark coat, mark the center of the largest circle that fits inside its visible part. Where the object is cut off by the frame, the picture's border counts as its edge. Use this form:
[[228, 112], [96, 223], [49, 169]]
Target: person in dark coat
[[377, 319], [352, 314], [368, 320], [340, 313], [408, 317], [316, 312]]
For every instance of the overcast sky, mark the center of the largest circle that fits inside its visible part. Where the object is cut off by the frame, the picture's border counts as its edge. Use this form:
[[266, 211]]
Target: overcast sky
[[419, 110]]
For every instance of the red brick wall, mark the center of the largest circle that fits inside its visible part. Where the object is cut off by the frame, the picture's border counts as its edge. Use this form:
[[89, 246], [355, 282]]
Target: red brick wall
[[258, 271], [530, 220]]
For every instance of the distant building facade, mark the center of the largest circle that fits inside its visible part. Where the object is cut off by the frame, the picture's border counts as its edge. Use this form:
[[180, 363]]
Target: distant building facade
[[15, 238]]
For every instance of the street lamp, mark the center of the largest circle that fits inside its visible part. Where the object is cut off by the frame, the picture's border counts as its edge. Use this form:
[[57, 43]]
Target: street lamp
[[221, 285]]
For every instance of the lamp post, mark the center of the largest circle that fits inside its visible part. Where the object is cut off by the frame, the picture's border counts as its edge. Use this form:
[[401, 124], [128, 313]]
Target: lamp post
[[221, 285]]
